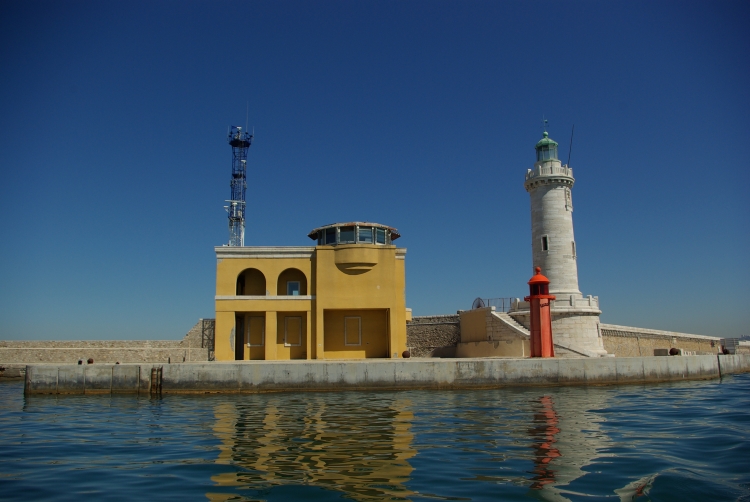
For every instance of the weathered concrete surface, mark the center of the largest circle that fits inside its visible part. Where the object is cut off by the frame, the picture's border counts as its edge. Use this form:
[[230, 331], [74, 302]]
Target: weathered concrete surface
[[257, 376]]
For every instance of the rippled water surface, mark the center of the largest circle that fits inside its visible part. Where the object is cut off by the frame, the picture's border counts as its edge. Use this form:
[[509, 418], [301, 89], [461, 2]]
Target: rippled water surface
[[680, 441]]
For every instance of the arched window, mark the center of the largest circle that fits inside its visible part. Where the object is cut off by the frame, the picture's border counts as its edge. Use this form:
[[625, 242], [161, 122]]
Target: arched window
[[292, 282], [251, 282]]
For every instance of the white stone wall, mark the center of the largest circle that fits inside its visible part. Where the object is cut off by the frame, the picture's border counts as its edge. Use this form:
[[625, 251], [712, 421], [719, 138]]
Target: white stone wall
[[552, 216], [577, 330]]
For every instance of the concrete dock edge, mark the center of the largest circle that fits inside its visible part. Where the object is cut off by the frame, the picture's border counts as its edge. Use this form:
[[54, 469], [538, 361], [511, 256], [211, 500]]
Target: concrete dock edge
[[281, 376]]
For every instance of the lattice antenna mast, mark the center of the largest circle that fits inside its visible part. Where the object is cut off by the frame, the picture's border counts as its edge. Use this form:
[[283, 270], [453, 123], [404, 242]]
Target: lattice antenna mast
[[240, 142]]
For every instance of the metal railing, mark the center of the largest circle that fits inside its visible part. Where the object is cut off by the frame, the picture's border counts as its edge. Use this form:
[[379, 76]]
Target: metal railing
[[500, 304]]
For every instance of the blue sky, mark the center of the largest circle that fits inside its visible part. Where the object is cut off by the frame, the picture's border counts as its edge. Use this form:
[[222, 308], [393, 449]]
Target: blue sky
[[422, 115]]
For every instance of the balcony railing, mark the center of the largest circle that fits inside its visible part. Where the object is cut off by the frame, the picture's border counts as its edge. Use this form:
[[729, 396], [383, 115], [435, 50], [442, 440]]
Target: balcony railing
[[549, 171], [500, 304]]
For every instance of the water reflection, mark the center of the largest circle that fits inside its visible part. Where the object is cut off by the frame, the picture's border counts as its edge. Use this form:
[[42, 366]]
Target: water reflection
[[545, 421], [361, 443], [681, 441], [565, 439], [340, 442]]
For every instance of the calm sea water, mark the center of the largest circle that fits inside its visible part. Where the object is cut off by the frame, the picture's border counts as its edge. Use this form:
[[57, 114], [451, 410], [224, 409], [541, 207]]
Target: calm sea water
[[682, 441]]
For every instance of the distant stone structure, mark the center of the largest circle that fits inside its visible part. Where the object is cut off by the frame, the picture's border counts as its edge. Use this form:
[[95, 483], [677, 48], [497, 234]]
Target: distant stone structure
[[192, 348]]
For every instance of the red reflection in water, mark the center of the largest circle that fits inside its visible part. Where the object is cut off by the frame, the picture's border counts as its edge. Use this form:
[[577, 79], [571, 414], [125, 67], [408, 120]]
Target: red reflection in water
[[546, 421]]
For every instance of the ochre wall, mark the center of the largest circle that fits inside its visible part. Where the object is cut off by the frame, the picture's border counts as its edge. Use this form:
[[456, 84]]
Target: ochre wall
[[253, 282], [362, 277], [374, 328], [228, 269], [474, 325], [368, 279]]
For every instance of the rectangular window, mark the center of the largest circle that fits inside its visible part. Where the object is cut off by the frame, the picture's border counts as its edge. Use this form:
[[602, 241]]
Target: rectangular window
[[545, 243], [292, 331], [292, 288], [331, 235], [574, 248], [352, 331], [380, 235], [365, 235], [346, 235], [256, 331]]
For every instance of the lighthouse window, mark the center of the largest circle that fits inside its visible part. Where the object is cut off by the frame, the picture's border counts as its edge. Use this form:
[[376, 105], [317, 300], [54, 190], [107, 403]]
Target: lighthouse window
[[380, 235], [331, 235], [365, 235], [574, 248], [545, 243], [546, 153], [346, 235]]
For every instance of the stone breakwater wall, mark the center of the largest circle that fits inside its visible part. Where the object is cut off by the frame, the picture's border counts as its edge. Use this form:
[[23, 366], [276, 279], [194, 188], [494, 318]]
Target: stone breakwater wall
[[628, 341], [425, 334], [261, 376], [21, 353]]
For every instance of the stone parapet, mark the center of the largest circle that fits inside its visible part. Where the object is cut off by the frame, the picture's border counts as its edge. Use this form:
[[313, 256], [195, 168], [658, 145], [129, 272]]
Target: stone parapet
[[549, 169], [629, 341], [566, 303], [24, 352]]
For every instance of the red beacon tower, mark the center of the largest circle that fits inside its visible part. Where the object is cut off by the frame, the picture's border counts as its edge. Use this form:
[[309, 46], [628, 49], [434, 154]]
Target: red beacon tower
[[541, 320]]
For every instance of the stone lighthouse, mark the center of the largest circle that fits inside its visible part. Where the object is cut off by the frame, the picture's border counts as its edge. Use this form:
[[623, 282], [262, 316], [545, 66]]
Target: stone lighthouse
[[575, 318]]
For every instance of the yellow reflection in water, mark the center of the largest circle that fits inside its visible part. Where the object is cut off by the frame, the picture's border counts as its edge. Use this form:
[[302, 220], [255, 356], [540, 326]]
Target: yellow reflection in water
[[332, 443]]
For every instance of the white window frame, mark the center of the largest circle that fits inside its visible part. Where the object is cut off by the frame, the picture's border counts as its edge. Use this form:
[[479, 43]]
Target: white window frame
[[262, 333], [359, 331], [286, 332], [299, 287]]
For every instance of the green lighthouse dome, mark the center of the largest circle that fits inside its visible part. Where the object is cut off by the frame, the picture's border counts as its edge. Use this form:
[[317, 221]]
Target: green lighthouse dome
[[546, 148]]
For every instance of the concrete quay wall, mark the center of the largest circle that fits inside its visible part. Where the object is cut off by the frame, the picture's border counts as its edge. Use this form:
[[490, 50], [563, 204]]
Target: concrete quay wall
[[277, 376]]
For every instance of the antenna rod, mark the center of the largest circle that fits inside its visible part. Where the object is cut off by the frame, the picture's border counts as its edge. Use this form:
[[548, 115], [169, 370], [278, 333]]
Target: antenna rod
[[571, 143]]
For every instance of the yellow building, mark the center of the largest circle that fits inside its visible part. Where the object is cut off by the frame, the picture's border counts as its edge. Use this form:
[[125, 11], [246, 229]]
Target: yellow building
[[341, 299]]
